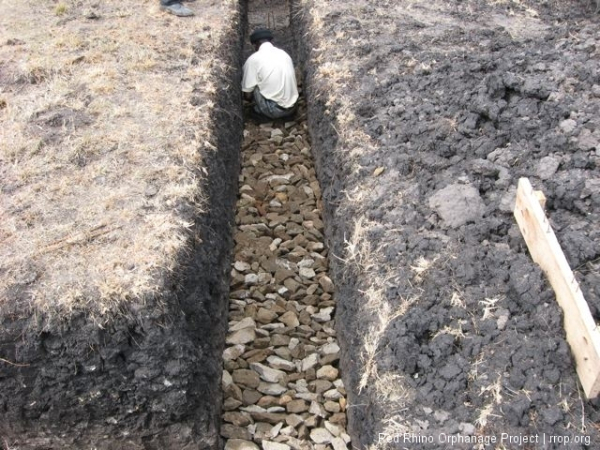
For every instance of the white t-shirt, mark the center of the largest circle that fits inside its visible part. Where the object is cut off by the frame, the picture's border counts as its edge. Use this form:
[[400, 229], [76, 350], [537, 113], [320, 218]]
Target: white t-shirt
[[272, 70]]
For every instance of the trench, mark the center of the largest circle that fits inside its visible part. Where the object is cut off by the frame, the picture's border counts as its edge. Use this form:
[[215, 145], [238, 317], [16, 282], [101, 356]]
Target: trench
[[281, 383]]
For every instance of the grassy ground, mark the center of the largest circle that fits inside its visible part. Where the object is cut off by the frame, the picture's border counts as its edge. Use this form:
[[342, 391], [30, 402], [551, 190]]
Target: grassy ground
[[104, 120]]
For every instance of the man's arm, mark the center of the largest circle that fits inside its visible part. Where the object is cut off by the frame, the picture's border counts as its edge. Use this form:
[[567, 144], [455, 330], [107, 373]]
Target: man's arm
[[249, 79]]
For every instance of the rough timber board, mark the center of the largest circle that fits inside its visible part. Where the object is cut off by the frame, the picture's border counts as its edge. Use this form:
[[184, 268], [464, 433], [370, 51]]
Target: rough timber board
[[582, 333]]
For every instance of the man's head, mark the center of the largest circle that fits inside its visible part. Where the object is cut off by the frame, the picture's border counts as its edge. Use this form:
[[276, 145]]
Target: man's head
[[259, 36]]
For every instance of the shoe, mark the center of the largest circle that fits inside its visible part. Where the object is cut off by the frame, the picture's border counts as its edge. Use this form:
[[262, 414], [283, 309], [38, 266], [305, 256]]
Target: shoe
[[177, 9]]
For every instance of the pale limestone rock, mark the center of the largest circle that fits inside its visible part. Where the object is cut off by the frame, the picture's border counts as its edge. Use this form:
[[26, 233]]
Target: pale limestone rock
[[271, 388], [276, 429], [241, 266], [294, 420], [239, 419], [247, 322], [268, 445], [226, 380], [309, 362], [307, 272], [333, 429], [251, 278], [328, 373], [279, 363], [296, 406], [332, 407], [234, 352], [246, 377], [339, 444], [332, 394], [317, 409], [264, 315], [290, 319], [326, 284], [241, 337], [240, 444], [268, 374], [321, 436], [306, 263], [330, 349]]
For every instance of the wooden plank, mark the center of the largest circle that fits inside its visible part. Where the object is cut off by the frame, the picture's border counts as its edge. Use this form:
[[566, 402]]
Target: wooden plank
[[581, 330]]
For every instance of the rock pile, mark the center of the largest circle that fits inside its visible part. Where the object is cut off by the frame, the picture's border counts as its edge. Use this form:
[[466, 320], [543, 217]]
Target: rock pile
[[281, 387]]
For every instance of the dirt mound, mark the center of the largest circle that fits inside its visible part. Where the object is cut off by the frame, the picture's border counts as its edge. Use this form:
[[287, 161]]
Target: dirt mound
[[423, 116]]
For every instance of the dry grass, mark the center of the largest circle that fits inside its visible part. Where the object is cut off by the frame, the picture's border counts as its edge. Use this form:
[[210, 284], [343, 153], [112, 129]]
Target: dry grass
[[100, 146]]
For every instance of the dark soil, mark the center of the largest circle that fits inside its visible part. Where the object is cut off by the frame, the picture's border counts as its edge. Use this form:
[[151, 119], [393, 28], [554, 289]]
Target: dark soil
[[149, 378], [459, 101]]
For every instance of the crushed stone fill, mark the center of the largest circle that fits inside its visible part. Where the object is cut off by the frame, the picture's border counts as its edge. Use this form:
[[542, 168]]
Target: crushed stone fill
[[281, 384]]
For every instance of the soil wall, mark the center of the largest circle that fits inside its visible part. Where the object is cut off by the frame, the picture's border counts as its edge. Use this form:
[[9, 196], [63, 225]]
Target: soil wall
[[149, 377]]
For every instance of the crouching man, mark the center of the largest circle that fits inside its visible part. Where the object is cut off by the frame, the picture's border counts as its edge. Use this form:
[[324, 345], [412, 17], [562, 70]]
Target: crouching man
[[270, 78]]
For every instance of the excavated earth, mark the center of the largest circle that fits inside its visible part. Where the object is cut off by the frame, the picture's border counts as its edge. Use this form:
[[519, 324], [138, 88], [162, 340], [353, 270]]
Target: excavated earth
[[423, 117]]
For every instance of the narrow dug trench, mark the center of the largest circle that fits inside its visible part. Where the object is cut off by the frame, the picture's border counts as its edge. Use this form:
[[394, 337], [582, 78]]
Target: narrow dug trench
[[282, 388]]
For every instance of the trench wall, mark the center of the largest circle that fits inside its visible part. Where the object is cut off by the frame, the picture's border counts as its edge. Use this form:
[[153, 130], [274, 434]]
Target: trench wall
[[332, 171], [149, 378]]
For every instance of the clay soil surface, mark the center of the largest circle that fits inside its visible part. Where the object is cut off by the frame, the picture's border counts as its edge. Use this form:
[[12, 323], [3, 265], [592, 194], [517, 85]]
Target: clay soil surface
[[116, 210], [423, 116]]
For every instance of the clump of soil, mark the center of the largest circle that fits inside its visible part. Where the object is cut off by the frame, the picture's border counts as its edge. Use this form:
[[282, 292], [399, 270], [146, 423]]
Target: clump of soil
[[423, 116]]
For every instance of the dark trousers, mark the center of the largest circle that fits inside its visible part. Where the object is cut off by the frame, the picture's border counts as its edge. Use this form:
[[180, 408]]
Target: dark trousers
[[269, 108]]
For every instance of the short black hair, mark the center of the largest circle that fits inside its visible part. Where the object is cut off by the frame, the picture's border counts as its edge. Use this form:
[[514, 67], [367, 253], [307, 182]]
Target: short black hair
[[261, 34]]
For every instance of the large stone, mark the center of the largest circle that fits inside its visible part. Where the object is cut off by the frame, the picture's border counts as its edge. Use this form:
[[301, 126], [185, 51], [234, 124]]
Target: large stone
[[307, 272], [290, 319], [226, 380], [264, 315], [332, 407], [268, 445], [239, 419], [335, 430], [271, 388], [279, 363], [309, 362], [337, 444], [241, 266], [317, 409], [267, 373], [326, 284], [294, 420], [328, 373], [324, 315], [246, 377], [297, 406], [230, 431], [234, 352], [321, 436], [231, 404], [458, 204], [320, 386], [330, 349], [240, 444], [241, 336]]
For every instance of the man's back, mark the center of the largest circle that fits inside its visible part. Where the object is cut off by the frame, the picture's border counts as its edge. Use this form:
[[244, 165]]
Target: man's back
[[272, 71]]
